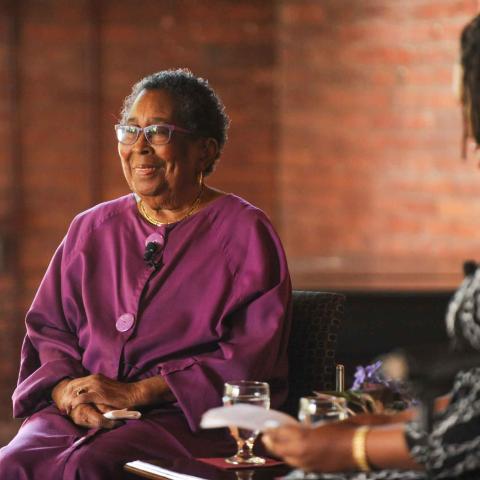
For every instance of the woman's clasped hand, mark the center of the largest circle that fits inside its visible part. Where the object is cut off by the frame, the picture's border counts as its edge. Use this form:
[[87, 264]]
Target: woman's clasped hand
[[86, 399]]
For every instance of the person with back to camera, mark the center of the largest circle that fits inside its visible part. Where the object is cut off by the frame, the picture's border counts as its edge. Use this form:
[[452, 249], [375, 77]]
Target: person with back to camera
[[382, 447], [151, 302]]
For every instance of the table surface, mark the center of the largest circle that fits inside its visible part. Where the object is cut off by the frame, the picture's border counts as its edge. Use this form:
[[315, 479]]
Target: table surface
[[208, 472]]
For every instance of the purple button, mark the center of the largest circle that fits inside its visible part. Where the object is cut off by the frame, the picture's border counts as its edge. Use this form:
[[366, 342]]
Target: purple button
[[125, 322], [155, 238]]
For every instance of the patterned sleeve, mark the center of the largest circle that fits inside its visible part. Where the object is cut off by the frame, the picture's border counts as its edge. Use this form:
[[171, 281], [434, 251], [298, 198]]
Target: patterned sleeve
[[452, 449]]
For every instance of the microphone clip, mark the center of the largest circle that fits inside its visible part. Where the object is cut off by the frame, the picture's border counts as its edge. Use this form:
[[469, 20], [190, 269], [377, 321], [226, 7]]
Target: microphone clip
[[153, 248]]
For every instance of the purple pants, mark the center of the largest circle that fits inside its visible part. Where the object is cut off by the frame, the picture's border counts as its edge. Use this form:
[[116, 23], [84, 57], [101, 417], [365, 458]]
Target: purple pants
[[49, 446]]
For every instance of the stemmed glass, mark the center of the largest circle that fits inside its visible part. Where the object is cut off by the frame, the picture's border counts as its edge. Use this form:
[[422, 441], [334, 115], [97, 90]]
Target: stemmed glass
[[254, 393]]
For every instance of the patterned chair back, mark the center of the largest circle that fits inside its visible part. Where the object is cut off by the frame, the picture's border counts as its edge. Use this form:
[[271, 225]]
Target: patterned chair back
[[316, 321]]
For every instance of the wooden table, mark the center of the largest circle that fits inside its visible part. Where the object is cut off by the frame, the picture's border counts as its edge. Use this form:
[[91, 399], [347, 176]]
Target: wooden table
[[205, 471]]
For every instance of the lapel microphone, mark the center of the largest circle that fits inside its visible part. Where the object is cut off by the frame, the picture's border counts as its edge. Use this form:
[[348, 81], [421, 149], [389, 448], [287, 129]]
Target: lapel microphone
[[150, 250], [153, 247]]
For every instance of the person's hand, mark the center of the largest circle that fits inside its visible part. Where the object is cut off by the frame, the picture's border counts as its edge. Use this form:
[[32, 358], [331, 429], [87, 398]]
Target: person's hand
[[381, 418], [323, 449], [63, 395], [90, 416], [106, 394], [99, 390]]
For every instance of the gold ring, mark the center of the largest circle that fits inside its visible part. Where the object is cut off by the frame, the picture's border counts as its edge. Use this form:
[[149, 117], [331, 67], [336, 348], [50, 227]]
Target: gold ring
[[80, 391]]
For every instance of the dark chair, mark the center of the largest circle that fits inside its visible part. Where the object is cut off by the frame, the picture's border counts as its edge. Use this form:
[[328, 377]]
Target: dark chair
[[316, 321]]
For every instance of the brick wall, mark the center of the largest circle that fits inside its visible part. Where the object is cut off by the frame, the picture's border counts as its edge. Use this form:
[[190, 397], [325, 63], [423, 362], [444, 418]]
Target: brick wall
[[343, 129], [373, 191], [66, 67]]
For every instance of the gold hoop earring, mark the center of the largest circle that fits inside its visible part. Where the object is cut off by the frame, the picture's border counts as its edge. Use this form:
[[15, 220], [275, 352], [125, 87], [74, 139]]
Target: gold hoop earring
[[201, 179]]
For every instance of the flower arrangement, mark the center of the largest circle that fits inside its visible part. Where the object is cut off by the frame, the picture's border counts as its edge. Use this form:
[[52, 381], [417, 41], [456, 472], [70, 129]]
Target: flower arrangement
[[372, 392], [386, 393]]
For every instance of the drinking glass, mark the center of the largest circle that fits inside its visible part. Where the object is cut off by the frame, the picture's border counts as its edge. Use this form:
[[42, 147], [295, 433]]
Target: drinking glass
[[322, 409], [254, 393], [315, 411]]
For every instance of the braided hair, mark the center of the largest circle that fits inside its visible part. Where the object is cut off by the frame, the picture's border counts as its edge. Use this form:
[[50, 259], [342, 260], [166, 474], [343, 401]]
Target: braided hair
[[470, 96]]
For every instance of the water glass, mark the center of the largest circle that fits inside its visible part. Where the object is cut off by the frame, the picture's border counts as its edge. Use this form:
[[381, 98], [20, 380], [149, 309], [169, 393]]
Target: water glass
[[315, 411], [323, 409], [254, 393]]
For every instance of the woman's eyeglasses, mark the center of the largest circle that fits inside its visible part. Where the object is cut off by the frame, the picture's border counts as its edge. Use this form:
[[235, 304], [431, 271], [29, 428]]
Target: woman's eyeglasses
[[159, 134]]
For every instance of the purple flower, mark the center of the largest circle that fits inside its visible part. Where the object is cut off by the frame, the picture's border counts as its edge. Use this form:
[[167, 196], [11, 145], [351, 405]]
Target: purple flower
[[359, 376], [371, 370], [369, 374], [364, 377]]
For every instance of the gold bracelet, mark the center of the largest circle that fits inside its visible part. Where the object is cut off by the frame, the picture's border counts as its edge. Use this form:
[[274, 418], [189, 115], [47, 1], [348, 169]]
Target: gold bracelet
[[359, 449]]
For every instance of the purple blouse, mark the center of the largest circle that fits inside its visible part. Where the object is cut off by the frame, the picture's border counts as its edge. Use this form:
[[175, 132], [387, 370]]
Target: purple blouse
[[215, 309]]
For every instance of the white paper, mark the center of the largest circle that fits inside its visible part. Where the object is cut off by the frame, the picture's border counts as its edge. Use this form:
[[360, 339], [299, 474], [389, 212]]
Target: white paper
[[243, 415], [150, 468]]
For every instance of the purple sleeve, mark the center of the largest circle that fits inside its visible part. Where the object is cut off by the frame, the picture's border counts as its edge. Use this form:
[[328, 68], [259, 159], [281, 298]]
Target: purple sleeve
[[254, 334], [50, 351]]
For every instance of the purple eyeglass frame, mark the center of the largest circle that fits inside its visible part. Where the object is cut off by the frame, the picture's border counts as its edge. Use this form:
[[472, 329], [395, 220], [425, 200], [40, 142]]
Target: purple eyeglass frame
[[140, 130]]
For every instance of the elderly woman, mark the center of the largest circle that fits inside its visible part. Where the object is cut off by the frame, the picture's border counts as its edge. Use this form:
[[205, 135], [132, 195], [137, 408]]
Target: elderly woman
[[151, 302], [383, 447]]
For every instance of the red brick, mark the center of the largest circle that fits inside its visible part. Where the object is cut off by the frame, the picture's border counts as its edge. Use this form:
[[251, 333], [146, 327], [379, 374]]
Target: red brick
[[343, 130]]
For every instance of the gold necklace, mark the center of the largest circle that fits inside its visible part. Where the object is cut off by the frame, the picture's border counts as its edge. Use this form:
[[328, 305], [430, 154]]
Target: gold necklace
[[155, 222]]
